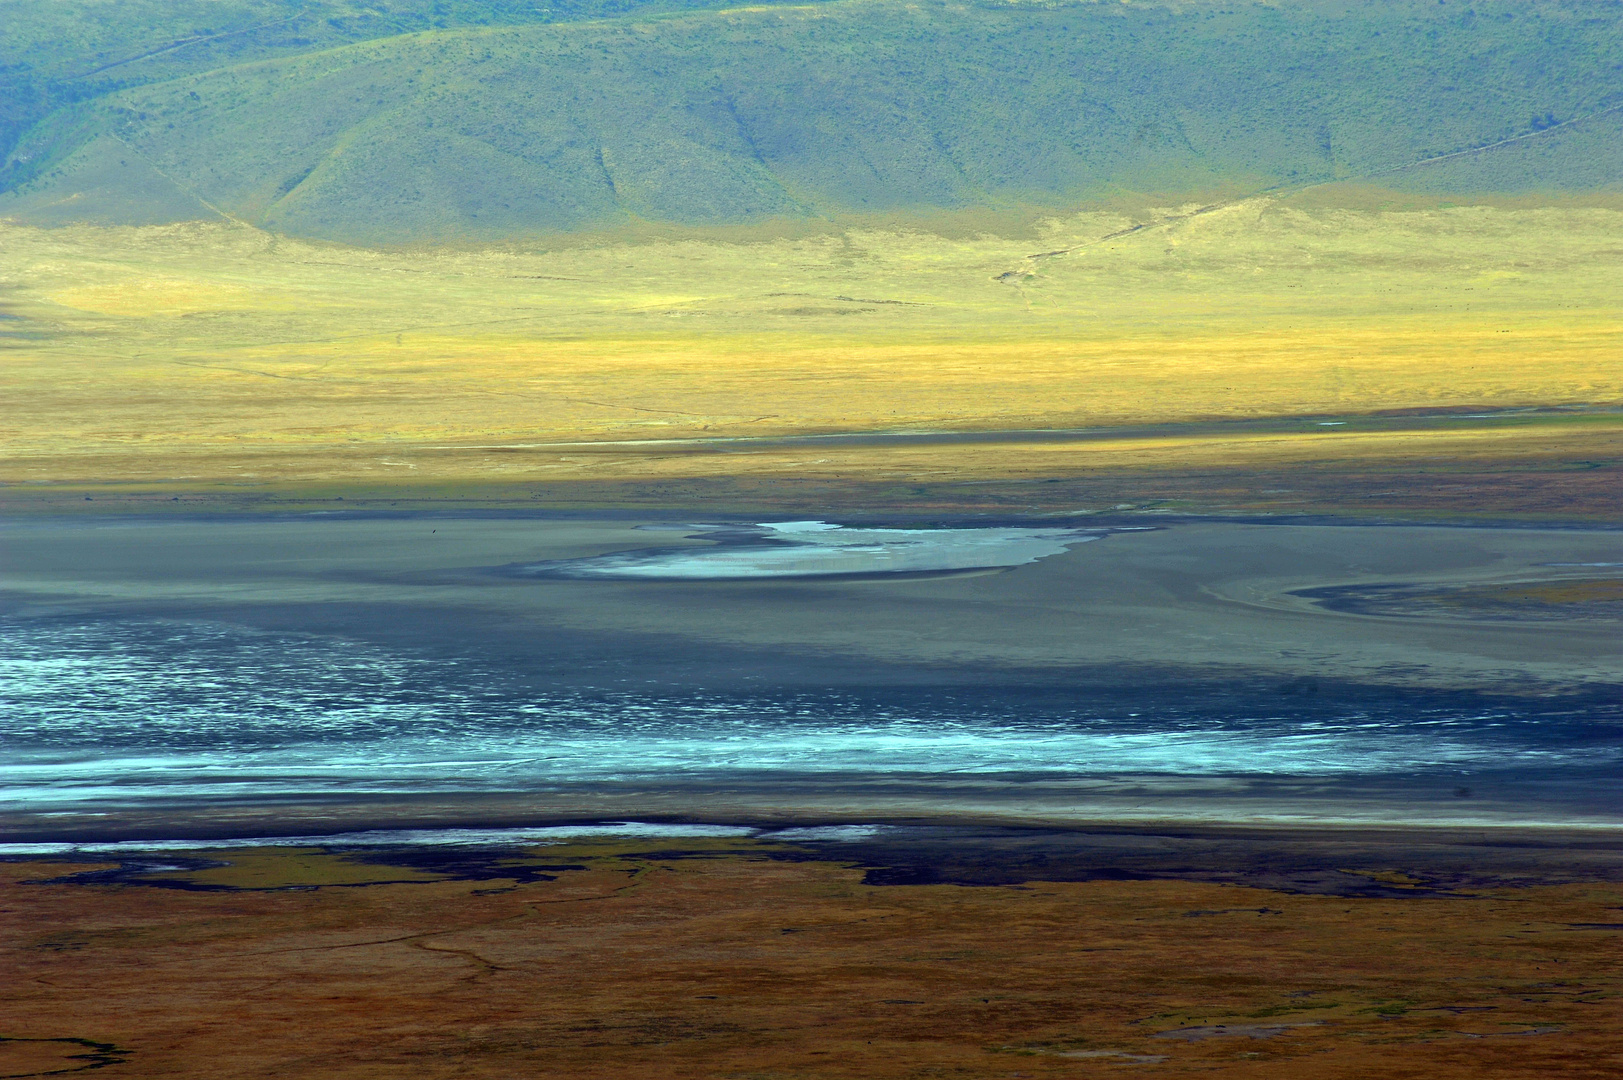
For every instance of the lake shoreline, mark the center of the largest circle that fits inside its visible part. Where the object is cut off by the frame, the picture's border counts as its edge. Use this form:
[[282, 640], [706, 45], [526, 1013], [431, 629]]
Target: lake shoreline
[[1134, 806], [1347, 860]]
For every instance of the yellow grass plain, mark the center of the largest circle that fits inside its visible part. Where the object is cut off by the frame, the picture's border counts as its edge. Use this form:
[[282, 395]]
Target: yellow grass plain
[[202, 355]]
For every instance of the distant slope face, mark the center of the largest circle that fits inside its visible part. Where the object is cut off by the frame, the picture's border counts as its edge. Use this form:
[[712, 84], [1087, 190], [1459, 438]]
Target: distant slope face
[[498, 124]]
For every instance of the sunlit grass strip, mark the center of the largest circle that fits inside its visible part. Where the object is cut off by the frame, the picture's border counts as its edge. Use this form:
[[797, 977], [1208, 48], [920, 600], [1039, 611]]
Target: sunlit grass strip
[[210, 352], [1450, 444], [450, 389]]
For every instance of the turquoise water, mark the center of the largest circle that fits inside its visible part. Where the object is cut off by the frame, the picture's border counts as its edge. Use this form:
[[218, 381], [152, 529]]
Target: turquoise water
[[130, 711]]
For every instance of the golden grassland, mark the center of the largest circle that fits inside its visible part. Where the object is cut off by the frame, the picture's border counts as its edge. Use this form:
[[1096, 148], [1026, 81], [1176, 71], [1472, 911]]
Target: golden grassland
[[199, 355]]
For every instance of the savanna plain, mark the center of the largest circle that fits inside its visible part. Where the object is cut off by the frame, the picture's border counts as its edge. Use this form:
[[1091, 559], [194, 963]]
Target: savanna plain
[[1179, 367]]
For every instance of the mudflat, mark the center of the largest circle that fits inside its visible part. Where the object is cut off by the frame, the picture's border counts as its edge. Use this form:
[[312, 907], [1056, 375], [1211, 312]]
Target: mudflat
[[1437, 675], [1192, 597]]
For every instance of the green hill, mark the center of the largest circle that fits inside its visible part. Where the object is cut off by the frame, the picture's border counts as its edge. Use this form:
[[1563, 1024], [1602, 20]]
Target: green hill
[[489, 120]]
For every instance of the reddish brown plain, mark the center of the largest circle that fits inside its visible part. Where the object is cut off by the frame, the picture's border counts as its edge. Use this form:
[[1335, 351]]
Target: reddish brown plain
[[728, 963]]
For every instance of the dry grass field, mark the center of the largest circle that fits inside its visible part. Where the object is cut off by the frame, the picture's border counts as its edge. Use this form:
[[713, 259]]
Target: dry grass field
[[218, 357], [591, 961]]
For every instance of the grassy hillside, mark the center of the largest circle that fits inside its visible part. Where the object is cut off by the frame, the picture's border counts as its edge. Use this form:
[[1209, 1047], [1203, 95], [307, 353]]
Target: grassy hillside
[[851, 106], [58, 55]]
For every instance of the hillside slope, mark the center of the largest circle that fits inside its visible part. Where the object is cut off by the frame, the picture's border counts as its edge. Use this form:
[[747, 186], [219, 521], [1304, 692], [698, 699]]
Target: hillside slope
[[56, 55], [844, 107]]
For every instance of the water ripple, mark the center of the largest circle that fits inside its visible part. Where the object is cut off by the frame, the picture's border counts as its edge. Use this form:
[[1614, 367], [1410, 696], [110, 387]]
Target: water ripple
[[127, 710]]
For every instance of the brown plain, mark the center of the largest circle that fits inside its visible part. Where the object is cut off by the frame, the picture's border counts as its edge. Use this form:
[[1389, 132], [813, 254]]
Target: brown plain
[[726, 963]]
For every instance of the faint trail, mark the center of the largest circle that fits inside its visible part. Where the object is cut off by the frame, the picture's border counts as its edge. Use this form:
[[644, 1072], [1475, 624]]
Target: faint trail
[[1016, 276], [341, 945], [187, 188], [1013, 277], [489, 967], [419, 940], [178, 45], [1490, 146]]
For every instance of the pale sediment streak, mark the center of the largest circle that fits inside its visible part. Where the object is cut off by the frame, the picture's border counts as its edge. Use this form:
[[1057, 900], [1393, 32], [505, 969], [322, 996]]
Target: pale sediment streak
[[799, 549], [375, 838]]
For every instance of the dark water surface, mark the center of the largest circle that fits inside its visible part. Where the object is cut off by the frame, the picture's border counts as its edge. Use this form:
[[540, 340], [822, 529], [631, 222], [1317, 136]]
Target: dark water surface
[[114, 712]]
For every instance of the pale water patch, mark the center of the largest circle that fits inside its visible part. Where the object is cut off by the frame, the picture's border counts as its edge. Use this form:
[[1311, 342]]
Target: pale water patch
[[836, 833], [799, 549], [375, 838]]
